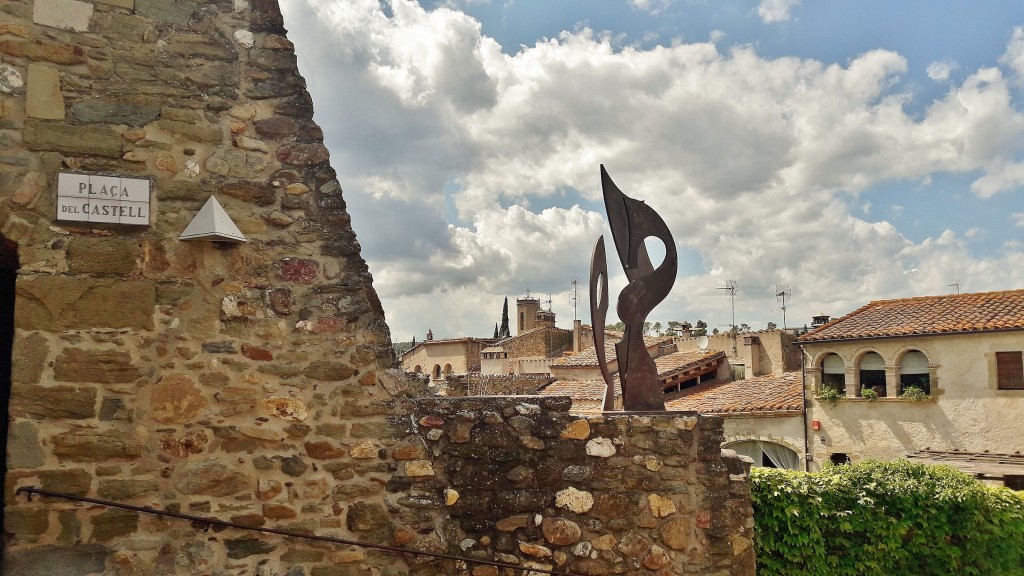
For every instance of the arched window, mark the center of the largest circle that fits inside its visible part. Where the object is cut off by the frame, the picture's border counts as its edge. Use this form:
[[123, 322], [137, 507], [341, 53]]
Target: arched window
[[522, 321], [833, 373], [914, 372], [447, 370], [872, 373], [766, 454], [436, 371], [418, 369]]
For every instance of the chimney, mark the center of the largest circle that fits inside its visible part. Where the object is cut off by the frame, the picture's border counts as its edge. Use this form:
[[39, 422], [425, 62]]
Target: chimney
[[819, 320], [430, 334], [577, 328]]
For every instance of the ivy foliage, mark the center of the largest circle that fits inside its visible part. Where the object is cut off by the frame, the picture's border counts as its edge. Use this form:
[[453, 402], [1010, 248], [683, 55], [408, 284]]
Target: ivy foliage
[[891, 518]]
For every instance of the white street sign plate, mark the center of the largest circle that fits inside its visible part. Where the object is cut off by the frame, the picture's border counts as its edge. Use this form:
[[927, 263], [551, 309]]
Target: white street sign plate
[[96, 198]]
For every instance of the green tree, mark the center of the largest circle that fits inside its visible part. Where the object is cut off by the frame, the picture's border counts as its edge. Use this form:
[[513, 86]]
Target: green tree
[[504, 331], [657, 328], [773, 326], [701, 329], [495, 329]]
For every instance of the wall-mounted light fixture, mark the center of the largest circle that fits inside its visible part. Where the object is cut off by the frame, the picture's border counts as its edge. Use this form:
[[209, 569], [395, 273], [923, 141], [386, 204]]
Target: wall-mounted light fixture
[[212, 223]]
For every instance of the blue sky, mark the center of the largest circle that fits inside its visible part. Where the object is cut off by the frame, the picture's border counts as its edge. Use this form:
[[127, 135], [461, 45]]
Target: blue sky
[[854, 150]]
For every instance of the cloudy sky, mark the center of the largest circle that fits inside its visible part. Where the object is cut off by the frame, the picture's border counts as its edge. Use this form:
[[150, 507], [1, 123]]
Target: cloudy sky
[[852, 150]]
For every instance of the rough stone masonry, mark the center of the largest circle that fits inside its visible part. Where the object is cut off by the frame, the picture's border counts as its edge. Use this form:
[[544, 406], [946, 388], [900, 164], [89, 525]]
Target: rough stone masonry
[[246, 382]]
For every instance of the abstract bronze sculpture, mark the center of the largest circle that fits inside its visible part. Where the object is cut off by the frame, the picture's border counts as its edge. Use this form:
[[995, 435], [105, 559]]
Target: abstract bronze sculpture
[[631, 222]]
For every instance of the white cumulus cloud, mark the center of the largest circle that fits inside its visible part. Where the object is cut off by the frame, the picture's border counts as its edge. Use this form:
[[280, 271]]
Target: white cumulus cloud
[[776, 10]]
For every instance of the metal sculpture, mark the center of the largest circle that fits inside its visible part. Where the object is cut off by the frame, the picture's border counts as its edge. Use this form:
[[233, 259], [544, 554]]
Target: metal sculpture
[[632, 222]]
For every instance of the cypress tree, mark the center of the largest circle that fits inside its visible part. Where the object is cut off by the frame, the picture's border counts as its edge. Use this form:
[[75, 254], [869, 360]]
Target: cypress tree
[[504, 332], [495, 329]]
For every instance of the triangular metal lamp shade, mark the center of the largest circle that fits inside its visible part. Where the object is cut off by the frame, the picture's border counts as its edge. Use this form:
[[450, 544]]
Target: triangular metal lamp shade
[[212, 223]]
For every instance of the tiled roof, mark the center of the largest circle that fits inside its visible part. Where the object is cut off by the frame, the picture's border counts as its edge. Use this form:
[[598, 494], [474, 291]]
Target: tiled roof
[[682, 361], [446, 341], [588, 357], [952, 313], [578, 389], [771, 393]]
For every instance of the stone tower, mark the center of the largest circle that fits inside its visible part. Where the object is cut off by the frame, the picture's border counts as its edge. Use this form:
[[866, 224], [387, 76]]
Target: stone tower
[[526, 313]]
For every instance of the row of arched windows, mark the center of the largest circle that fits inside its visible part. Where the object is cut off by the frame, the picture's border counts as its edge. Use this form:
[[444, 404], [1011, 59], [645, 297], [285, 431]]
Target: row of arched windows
[[912, 371], [436, 371]]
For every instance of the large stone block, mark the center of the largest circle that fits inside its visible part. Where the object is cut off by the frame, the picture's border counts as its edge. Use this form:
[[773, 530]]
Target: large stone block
[[94, 446], [132, 112], [45, 51], [99, 366], [77, 560], [96, 139], [23, 447], [53, 401], [55, 303], [113, 256], [28, 358], [211, 478], [178, 13], [176, 399], [43, 96], [71, 15]]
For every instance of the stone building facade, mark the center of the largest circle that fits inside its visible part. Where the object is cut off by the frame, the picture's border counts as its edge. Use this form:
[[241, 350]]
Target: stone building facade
[[247, 382]]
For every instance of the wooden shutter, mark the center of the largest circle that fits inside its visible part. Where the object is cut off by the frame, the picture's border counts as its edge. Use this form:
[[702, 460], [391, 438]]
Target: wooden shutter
[[1010, 370]]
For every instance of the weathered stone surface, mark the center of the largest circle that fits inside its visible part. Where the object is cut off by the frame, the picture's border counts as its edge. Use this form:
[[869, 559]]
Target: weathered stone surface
[[419, 468], [303, 154], [77, 560], [44, 99], [176, 398], [600, 447], [54, 401], [535, 550], [90, 139], [324, 450], [28, 358], [100, 366], [657, 558], [561, 531], [121, 489], [577, 430], [26, 521], [367, 517], [329, 371], [113, 523], [55, 303], [237, 163], [276, 127], [239, 548], [677, 532], [131, 112], [114, 256], [574, 500], [44, 50], [293, 409], [95, 446], [258, 193], [75, 481], [71, 15], [660, 506], [210, 478], [23, 447]]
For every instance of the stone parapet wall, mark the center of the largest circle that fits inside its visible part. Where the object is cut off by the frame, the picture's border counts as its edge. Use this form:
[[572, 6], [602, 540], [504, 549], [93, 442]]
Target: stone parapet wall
[[519, 480], [494, 384]]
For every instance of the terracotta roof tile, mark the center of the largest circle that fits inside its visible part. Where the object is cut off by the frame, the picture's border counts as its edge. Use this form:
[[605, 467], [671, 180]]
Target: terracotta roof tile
[[771, 393], [952, 313], [588, 357]]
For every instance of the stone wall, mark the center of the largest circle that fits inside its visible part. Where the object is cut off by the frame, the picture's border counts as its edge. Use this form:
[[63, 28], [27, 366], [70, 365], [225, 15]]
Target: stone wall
[[239, 381], [542, 343], [494, 384], [521, 481]]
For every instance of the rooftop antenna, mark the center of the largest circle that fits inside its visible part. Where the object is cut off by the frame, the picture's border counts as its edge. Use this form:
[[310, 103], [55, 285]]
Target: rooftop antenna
[[527, 291], [782, 292], [956, 284], [730, 288], [575, 297], [548, 301]]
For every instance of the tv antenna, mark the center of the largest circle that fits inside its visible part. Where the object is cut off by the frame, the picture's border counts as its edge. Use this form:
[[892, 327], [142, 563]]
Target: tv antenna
[[575, 296], [730, 289], [956, 284], [548, 301], [782, 292]]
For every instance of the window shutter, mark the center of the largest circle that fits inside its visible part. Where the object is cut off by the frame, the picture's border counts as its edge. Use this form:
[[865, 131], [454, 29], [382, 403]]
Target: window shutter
[[1010, 370]]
